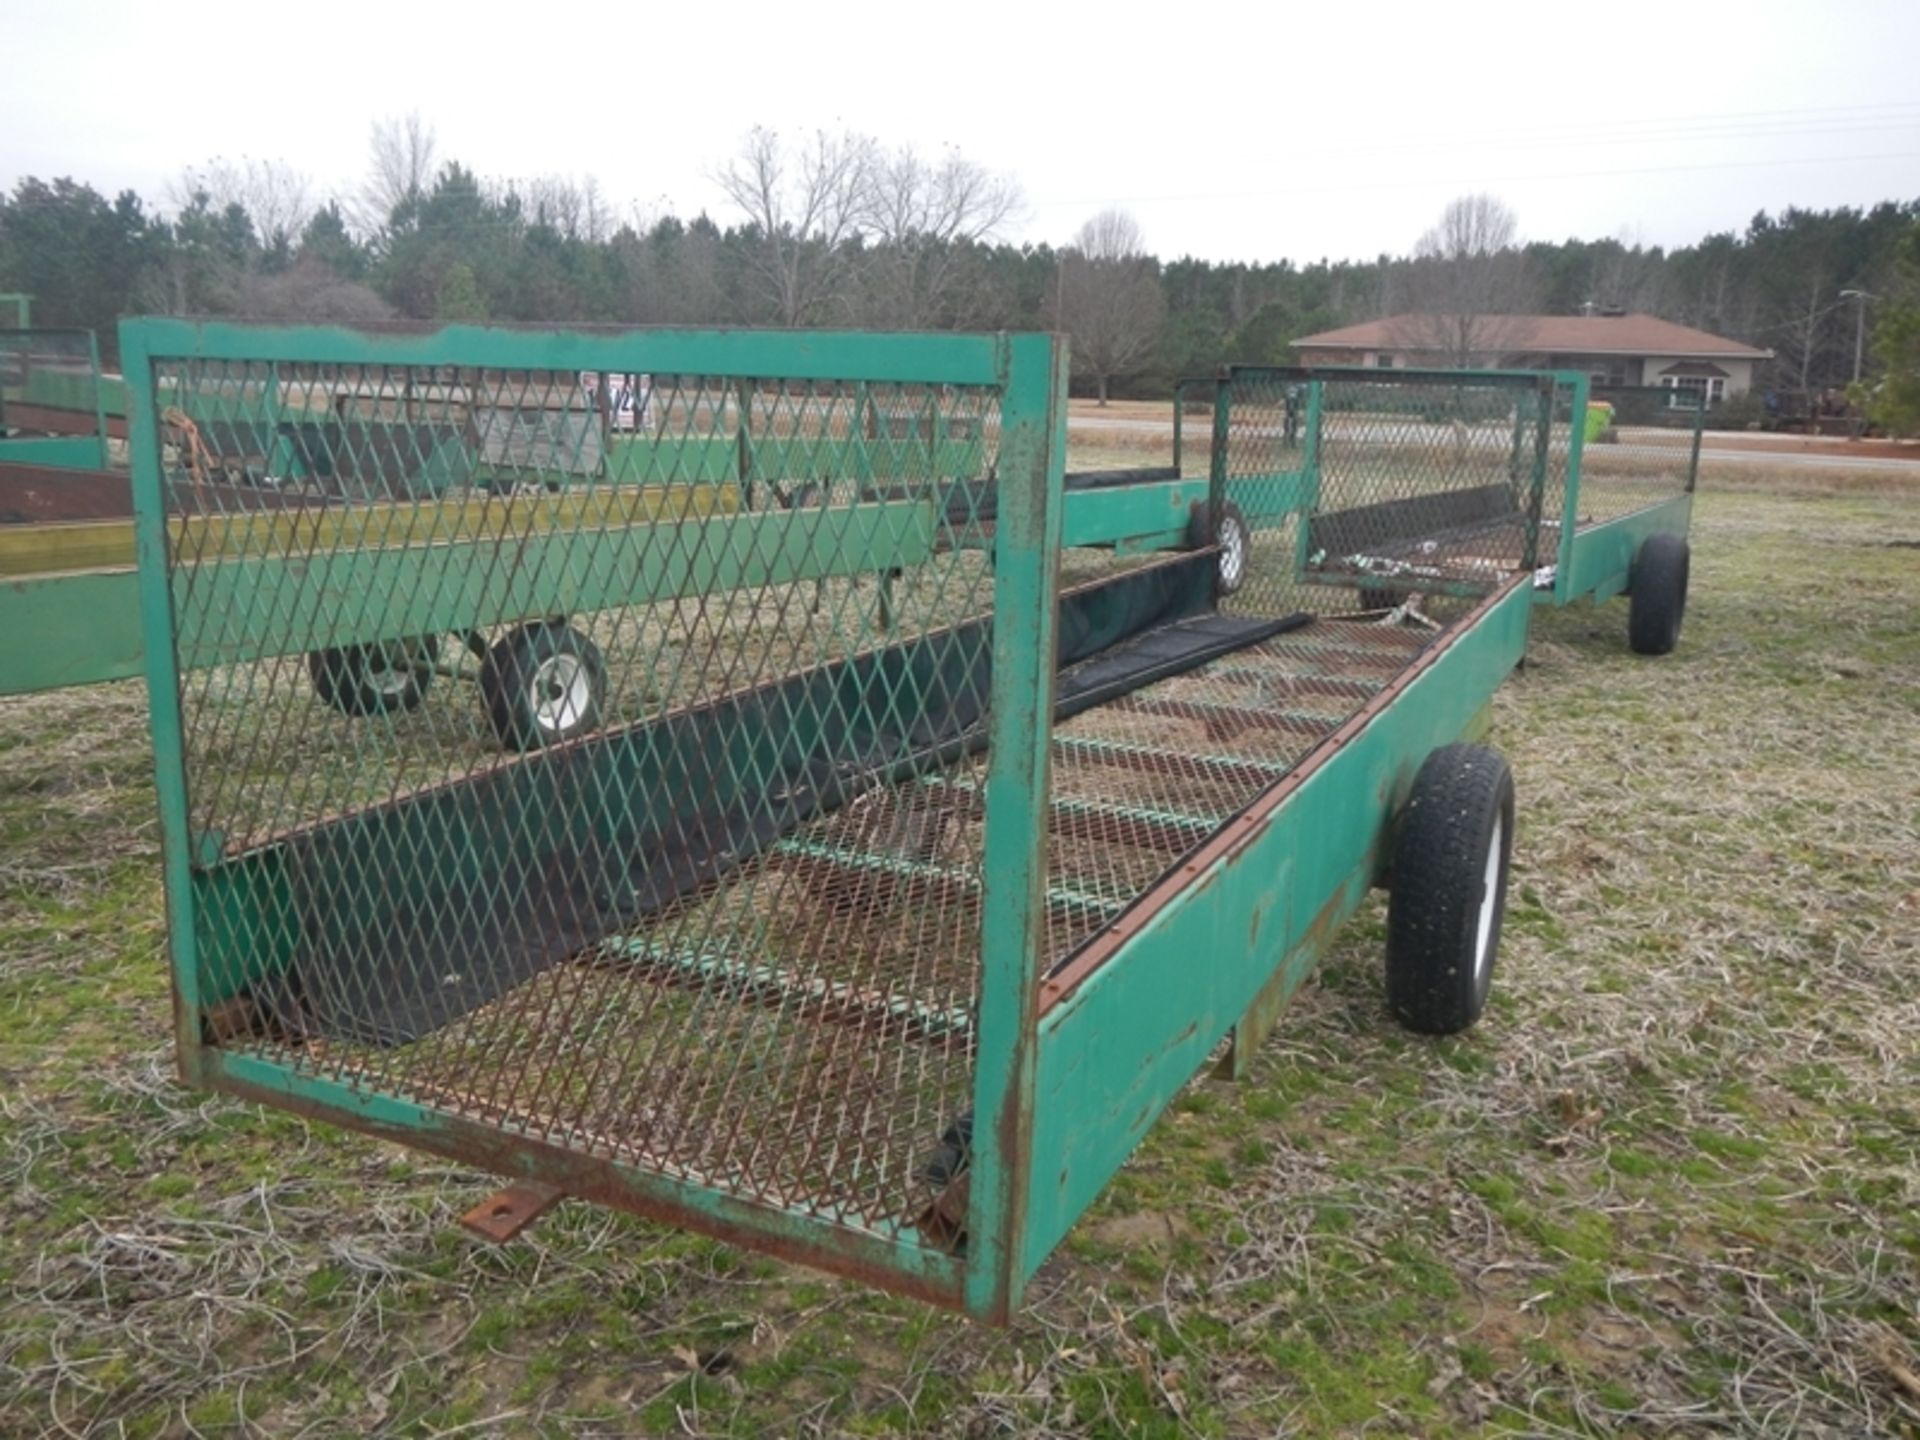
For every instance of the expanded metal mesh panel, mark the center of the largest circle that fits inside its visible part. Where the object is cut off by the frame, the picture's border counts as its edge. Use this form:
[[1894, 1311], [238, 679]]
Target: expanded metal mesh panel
[[1413, 483], [1375, 512], [47, 382], [617, 785], [1642, 447]]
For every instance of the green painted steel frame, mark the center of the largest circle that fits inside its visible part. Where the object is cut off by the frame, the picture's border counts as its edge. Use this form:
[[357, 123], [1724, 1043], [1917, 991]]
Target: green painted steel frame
[[1030, 372]]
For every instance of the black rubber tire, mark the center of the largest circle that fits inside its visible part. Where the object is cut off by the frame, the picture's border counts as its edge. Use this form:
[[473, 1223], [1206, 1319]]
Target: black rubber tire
[[543, 683], [1381, 598], [1439, 965], [1657, 594], [383, 678]]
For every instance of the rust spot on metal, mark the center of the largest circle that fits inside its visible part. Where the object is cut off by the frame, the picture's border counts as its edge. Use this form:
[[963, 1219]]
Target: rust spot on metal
[[511, 1211], [944, 1222], [1223, 722], [1242, 775]]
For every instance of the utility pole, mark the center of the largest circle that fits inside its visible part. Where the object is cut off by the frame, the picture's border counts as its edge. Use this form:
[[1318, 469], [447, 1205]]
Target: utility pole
[[1859, 298]]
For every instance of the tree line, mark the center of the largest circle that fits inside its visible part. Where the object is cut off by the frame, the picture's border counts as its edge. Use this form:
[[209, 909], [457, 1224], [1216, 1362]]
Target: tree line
[[841, 230]]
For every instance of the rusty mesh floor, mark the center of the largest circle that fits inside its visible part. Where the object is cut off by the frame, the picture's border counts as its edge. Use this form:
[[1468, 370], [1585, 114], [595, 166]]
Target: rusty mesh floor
[[814, 1043]]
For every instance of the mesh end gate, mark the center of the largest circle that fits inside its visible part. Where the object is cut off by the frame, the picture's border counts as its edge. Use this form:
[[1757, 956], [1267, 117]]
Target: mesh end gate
[[808, 872]]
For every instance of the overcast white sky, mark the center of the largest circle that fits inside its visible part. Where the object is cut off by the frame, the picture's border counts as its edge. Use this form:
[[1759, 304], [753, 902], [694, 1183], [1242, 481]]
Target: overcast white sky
[[1257, 132]]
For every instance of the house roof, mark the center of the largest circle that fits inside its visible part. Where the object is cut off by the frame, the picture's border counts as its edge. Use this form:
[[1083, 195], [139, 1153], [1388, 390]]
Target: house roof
[[1553, 335], [1695, 369]]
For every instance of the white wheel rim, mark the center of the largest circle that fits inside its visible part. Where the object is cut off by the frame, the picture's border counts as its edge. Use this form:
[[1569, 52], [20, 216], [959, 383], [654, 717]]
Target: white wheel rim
[[1489, 901], [1233, 553], [562, 690], [385, 678]]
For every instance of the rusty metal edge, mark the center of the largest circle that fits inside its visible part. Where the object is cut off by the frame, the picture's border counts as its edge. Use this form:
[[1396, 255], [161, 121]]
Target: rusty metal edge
[[601, 1182]]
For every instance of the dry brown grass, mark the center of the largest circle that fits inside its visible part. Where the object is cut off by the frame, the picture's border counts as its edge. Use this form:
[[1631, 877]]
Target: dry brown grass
[[1669, 1186]]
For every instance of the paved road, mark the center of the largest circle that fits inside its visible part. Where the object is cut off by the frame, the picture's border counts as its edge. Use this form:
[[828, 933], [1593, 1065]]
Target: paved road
[[1721, 454]]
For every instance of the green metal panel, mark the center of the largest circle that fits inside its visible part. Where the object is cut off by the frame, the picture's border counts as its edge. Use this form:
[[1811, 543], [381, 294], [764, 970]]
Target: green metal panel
[[1026, 558], [1111, 514], [1117, 1049], [60, 630], [466, 584], [789, 354], [60, 452], [1603, 554]]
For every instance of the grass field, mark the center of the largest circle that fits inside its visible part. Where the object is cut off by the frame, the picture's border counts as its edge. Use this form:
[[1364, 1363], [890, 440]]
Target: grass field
[[1671, 1184]]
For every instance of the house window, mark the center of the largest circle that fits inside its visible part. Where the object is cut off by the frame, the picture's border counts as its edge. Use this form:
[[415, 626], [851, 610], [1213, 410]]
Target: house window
[[1383, 360], [1690, 392], [1608, 372]]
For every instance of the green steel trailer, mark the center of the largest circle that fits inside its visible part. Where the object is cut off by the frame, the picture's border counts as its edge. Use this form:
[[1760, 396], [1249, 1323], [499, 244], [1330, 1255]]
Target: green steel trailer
[[51, 399], [66, 541], [903, 879], [67, 614], [1611, 518]]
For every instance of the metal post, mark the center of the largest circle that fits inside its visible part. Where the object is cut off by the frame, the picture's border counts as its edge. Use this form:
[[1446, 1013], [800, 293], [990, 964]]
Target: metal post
[[1217, 455], [1860, 299], [1013, 932], [743, 443], [99, 397], [1693, 458], [1570, 501], [1537, 482], [163, 690], [1179, 405]]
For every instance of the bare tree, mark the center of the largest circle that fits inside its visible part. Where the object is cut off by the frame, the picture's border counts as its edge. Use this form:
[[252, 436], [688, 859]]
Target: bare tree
[[924, 217], [400, 163], [275, 197], [306, 290], [805, 208], [575, 208], [1109, 298], [1802, 335], [1468, 282]]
